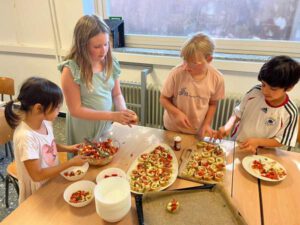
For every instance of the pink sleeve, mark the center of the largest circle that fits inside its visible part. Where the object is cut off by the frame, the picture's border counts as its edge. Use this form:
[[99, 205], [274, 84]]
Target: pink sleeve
[[169, 84], [220, 89]]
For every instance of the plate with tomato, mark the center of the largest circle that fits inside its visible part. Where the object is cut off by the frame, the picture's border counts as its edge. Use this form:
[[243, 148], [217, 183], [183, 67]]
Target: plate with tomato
[[80, 193], [155, 169], [264, 168], [75, 173]]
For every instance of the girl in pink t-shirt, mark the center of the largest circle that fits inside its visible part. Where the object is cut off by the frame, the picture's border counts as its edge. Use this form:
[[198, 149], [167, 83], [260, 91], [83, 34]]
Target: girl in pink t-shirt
[[34, 145], [191, 91]]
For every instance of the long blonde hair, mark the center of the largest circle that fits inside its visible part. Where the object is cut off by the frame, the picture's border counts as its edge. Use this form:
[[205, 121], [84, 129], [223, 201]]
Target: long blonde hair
[[86, 28], [197, 44]]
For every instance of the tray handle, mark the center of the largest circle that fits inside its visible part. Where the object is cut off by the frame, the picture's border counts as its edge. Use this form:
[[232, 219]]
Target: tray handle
[[139, 208]]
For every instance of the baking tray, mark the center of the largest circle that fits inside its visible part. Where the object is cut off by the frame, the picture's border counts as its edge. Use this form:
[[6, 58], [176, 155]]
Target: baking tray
[[203, 205], [187, 155]]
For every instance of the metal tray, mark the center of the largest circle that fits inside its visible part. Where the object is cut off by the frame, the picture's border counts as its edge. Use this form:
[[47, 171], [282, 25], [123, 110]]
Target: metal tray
[[207, 204]]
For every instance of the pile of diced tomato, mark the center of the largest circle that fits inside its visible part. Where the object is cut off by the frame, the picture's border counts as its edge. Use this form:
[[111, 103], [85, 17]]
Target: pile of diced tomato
[[72, 173], [105, 146], [80, 196], [271, 173]]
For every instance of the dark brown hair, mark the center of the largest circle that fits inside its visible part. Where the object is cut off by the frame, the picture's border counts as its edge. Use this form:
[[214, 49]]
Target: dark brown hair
[[34, 90]]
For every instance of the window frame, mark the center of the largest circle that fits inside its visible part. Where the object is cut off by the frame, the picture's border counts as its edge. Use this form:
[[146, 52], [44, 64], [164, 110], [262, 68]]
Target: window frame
[[223, 45]]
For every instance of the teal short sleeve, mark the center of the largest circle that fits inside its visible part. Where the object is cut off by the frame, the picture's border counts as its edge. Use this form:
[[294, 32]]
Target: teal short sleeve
[[116, 69], [72, 65]]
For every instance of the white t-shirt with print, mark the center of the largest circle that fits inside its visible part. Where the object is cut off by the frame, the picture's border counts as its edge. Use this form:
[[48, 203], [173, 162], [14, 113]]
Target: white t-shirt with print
[[261, 120], [29, 145]]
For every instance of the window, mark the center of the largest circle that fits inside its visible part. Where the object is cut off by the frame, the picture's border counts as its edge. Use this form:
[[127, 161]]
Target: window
[[88, 7], [263, 25]]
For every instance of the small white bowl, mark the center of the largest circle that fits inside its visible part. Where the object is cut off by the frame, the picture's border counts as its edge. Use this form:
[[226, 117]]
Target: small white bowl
[[83, 185], [84, 168], [110, 172]]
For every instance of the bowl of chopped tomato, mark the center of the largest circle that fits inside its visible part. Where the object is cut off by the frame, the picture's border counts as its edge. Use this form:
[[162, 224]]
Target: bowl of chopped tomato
[[75, 173], [80, 193], [101, 152], [111, 172]]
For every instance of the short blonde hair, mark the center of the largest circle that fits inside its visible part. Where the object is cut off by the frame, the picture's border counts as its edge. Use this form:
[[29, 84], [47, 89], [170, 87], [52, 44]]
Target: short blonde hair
[[197, 44]]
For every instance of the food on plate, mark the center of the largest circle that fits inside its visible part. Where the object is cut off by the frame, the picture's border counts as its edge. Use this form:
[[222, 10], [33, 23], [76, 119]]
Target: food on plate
[[100, 153], [218, 152], [173, 206], [206, 146], [219, 176], [268, 168], [219, 160], [73, 173], [111, 175], [206, 163], [153, 171], [80, 196], [211, 160], [206, 154]]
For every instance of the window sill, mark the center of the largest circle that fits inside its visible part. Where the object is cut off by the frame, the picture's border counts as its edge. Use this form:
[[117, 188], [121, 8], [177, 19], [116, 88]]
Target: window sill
[[174, 53], [223, 61]]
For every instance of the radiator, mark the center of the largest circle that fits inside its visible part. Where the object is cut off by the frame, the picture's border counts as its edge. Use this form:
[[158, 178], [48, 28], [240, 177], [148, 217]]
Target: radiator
[[132, 95], [225, 109], [154, 111]]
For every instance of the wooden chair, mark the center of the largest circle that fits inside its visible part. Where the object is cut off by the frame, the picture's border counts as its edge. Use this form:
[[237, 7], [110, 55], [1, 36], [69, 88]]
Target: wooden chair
[[11, 177], [7, 87], [6, 134]]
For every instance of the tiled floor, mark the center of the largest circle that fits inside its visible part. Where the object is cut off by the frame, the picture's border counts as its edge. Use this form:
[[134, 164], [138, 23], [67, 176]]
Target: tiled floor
[[13, 198], [59, 132]]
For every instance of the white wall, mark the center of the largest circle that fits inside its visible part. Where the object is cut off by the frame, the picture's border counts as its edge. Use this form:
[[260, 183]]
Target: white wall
[[35, 34], [32, 34]]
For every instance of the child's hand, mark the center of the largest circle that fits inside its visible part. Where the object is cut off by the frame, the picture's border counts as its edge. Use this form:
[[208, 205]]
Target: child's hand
[[207, 131], [73, 148], [78, 160], [221, 133], [249, 145], [125, 117], [134, 119], [182, 120]]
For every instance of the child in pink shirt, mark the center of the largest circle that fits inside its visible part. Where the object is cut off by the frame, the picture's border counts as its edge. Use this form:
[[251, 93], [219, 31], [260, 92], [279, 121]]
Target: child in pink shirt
[[191, 91]]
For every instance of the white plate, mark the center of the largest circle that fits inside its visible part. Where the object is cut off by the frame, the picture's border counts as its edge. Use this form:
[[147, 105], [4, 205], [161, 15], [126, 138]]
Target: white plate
[[110, 172], [83, 185], [174, 166], [247, 164], [84, 168]]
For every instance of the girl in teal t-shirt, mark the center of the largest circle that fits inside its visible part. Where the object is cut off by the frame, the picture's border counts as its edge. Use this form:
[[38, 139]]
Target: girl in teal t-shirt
[[90, 83]]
